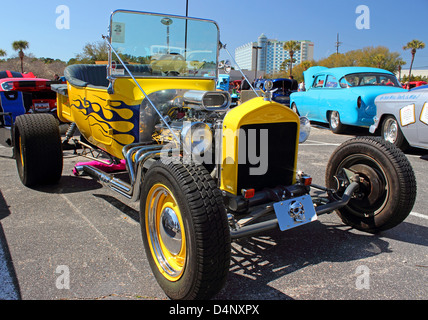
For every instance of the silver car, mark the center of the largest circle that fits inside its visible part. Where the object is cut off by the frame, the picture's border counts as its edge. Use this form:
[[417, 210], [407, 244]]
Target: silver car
[[402, 118]]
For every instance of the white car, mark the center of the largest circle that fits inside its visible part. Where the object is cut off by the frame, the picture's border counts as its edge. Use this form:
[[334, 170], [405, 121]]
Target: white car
[[402, 118]]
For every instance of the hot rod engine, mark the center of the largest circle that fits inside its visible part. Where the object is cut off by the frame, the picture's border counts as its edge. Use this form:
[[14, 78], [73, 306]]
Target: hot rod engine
[[191, 115]]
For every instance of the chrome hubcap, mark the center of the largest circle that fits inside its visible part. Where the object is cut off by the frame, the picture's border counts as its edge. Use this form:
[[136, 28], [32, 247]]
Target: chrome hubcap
[[391, 131], [334, 119], [170, 231], [165, 232]]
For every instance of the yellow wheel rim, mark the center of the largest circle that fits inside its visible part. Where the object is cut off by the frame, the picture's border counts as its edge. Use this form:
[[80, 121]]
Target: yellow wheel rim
[[165, 232]]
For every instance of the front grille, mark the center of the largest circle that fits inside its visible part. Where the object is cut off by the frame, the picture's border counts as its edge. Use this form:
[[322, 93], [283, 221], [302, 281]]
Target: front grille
[[276, 165]]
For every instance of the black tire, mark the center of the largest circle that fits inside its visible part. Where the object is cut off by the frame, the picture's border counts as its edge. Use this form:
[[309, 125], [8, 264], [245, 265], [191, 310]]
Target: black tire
[[197, 267], [336, 126], [391, 132], [37, 149], [388, 191]]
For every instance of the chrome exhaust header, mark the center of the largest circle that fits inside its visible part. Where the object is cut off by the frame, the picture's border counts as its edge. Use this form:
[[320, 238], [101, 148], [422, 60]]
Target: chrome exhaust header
[[136, 160]]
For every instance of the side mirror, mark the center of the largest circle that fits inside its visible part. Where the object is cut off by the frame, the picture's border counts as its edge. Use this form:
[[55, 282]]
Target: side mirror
[[225, 65]]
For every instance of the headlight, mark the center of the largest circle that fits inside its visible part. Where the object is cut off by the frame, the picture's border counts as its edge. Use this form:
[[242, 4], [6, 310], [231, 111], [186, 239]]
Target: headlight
[[196, 137], [305, 129], [7, 86]]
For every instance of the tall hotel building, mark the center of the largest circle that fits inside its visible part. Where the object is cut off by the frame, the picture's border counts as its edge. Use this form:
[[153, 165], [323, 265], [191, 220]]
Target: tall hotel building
[[271, 54]]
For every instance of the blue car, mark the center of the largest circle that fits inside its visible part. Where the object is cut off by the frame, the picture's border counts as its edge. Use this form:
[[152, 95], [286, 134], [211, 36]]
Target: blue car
[[343, 96], [282, 88], [420, 87], [223, 82]]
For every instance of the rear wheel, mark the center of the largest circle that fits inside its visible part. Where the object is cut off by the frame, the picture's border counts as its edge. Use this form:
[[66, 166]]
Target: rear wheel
[[387, 190], [185, 230], [37, 147], [334, 122]]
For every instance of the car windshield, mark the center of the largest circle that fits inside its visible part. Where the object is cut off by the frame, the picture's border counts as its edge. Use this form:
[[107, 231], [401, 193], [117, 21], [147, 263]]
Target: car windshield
[[283, 86], [159, 45], [368, 79]]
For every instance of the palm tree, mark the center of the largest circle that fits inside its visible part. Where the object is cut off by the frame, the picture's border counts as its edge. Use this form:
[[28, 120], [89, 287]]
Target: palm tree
[[20, 46], [291, 46], [2, 53], [413, 46], [285, 65], [400, 62]]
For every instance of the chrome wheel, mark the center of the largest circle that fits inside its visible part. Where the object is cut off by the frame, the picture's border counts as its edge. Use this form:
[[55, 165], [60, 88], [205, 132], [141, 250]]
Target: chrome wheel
[[390, 132], [334, 120], [294, 108]]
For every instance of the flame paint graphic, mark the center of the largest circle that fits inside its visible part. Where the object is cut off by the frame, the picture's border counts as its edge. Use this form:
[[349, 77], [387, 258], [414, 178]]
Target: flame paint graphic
[[115, 120]]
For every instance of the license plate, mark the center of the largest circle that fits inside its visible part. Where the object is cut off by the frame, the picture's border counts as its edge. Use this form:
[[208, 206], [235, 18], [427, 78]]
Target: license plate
[[41, 106], [295, 212]]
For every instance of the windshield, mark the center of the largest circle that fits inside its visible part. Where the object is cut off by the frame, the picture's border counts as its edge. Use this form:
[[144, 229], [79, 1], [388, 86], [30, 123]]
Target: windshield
[[159, 45], [282, 86], [368, 79]]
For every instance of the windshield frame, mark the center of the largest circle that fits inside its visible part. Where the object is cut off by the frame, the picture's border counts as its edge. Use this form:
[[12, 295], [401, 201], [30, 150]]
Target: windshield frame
[[113, 76]]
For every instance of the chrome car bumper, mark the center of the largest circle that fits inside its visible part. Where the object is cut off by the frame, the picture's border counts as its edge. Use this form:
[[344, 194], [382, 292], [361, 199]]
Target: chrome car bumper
[[374, 126]]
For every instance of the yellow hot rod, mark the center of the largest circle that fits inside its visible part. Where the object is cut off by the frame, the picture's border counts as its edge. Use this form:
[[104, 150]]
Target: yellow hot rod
[[204, 173]]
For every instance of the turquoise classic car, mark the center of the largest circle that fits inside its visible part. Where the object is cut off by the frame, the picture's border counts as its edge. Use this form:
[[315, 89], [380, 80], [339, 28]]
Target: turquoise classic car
[[343, 96]]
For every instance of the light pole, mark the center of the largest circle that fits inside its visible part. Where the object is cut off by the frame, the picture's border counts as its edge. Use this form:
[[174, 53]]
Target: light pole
[[257, 59], [185, 36]]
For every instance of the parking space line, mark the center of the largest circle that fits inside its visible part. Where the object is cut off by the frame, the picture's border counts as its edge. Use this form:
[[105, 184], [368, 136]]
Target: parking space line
[[318, 143], [419, 215], [417, 156]]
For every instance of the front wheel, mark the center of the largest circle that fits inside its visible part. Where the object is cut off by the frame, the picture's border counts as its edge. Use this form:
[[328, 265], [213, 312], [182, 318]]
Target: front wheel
[[294, 108], [391, 132], [185, 230], [387, 185]]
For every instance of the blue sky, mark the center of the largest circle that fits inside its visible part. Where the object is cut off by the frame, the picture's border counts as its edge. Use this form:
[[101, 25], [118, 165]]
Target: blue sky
[[393, 23]]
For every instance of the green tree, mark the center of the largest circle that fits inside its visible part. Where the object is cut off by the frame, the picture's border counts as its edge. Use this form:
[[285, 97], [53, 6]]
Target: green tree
[[413, 46], [291, 46], [286, 64], [336, 60], [2, 53], [302, 67], [379, 57], [376, 57], [20, 46], [379, 60], [98, 51]]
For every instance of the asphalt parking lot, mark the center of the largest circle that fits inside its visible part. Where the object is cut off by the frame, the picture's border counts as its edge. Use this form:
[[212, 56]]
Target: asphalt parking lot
[[80, 241]]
